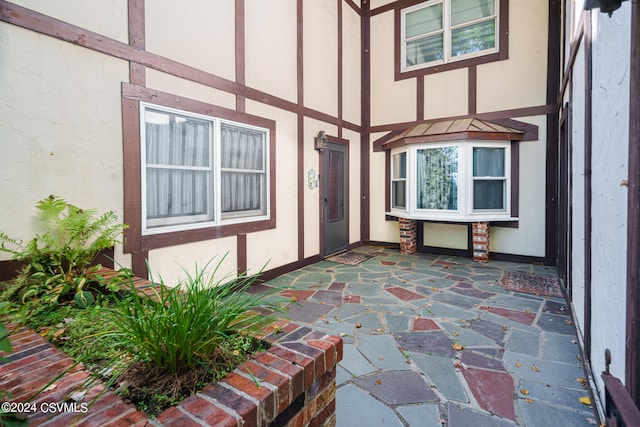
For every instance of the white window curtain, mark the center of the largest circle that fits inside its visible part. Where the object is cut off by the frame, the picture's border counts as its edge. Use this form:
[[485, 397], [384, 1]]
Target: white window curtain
[[437, 178], [489, 178], [243, 161], [178, 167]]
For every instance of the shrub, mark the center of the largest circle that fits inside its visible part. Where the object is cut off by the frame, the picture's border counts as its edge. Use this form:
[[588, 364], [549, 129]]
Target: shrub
[[57, 262]]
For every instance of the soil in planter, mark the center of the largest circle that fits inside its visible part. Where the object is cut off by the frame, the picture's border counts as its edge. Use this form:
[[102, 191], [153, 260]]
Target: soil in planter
[[148, 387]]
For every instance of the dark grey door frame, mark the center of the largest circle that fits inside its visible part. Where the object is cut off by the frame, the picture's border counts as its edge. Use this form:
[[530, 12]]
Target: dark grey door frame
[[334, 194]]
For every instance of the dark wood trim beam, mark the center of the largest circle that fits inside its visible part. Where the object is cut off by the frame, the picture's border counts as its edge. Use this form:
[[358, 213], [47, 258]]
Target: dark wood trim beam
[[340, 65], [353, 6], [43, 24], [300, 126], [131, 176], [137, 73], [365, 122], [575, 47], [139, 264], [420, 98], [240, 52], [588, 153], [551, 173], [473, 90], [241, 250], [632, 362]]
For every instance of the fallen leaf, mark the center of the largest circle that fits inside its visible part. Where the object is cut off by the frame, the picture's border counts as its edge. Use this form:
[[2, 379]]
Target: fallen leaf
[[378, 382], [358, 325], [504, 328], [294, 298], [535, 368], [529, 400], [585, 400], [457, 347], [518, 365], [455, 334], [582, 381], [568, 322], [524, 391], [457, 366]]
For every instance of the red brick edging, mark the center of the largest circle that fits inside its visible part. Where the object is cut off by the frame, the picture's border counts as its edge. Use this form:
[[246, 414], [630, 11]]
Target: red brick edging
[[295, 386]]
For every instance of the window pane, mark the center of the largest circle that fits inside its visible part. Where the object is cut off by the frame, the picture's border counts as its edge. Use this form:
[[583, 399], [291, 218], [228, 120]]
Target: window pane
[[172, 139], [336, 185], [398, 194], [437, 178], [177, 193], [473, 38], [488, 194], [424, 50], [243, 155], [488, 161], [423, 21], [242, 194], [399, 165], [242, 148], [469, 10]]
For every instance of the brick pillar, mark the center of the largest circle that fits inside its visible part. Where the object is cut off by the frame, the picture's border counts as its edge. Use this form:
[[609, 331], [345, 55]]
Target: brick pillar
[[407, 236], [480, 241]]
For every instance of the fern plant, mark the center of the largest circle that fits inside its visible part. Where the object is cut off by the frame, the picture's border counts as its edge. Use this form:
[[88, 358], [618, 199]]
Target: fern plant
[[57, 262]]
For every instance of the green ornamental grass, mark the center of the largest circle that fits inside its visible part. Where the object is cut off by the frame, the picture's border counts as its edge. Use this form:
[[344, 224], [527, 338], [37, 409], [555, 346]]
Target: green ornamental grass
[[180, 328]]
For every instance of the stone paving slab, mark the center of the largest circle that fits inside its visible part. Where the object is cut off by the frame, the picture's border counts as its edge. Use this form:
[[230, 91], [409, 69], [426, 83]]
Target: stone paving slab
[[401, 318], [397, 387]]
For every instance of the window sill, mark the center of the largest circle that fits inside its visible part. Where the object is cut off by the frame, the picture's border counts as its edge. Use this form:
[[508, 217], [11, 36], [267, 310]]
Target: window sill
[[503, 218]]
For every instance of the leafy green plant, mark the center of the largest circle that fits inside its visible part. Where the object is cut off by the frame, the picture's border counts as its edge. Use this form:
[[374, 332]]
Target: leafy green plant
[[181, 328], [58, 262]]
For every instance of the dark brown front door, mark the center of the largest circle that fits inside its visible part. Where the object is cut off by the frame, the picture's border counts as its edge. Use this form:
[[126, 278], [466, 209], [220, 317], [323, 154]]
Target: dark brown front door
[[334, 198]]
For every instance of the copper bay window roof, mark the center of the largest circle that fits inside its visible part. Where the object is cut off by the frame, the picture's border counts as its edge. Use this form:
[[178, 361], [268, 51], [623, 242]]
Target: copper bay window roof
[[451, 130]]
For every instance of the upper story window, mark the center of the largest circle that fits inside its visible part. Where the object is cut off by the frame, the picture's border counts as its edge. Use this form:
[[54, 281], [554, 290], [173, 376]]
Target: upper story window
[[438, 32], [199, 171]]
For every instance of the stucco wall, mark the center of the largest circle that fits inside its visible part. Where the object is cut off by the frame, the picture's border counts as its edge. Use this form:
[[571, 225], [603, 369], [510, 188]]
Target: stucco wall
[[520, 81], [529, 238], [611, 47], [108, 17], [61, 128]]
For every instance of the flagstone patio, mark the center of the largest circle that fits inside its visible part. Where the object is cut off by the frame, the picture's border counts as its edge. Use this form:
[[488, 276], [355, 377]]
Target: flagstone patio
[[439, 341]]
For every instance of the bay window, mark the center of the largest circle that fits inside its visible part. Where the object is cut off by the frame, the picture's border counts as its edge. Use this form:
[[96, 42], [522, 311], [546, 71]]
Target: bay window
[[199, 171], [465, 180]]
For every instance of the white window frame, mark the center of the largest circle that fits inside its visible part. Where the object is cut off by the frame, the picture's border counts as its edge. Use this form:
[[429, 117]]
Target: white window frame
[[399, 179], [465, 211], [217, 218], [447, 31]]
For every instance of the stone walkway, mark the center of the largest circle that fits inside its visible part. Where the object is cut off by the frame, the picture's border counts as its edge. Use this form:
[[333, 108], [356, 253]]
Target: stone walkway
[[438, 341]]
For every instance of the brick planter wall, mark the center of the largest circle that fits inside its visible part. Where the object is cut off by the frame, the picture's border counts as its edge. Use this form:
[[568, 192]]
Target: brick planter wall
[[295, 386]]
